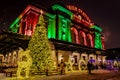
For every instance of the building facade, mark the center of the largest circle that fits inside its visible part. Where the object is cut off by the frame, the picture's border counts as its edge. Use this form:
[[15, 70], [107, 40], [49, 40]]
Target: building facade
[[73, 36]]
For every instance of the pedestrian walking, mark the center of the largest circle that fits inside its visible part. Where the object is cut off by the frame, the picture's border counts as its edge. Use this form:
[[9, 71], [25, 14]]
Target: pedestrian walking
[[62, 67], [89, 67]]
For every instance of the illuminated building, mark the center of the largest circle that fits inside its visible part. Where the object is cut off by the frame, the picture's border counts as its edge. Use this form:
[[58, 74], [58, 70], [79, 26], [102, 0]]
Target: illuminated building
[[71, 32]]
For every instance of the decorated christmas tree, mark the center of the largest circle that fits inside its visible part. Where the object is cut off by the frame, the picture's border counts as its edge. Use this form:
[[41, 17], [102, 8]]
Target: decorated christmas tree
[[40, 48]]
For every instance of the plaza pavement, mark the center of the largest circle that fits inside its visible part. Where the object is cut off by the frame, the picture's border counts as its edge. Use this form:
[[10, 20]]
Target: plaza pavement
[[76, 75], [96, 75]]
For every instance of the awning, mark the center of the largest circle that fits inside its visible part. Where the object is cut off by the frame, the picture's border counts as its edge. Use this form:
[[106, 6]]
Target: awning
[[11, 41], [68, 46]]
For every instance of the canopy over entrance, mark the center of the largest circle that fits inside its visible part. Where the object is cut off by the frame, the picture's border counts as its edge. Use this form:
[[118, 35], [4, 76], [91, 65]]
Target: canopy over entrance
[[62, 45], [10, 41]]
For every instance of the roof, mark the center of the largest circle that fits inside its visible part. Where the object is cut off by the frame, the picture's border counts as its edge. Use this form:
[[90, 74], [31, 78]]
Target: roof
[[11, 41]]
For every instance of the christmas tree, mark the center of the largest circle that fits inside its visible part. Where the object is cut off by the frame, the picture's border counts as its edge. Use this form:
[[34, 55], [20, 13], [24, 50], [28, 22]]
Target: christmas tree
[[40, 48]]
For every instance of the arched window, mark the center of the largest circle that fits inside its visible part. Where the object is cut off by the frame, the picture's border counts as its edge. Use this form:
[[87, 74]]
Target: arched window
[[74, 34], [89, 40], [82, 38]]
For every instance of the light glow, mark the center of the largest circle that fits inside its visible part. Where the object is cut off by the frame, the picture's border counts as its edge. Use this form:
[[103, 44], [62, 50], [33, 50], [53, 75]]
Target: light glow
[[24, 63], [91, 39], [74, 30], [98, 42], [84, 37], [76, 9], [58, 7], [13, 26]]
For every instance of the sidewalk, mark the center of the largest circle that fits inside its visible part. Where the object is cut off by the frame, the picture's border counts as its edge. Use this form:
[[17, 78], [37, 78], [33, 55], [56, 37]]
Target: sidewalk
[[75, 75]]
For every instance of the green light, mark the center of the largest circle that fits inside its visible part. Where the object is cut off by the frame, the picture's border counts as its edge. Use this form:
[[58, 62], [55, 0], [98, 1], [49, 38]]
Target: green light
[[64, 29], [51, 29], [69, 31], [13, 26], [60, 27], [96, 28], [98, 42], [64, 32], [62, 9], [51, 26]]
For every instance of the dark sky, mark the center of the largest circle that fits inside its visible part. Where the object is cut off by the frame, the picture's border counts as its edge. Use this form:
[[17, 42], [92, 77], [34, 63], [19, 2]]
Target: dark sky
[[105, 13]]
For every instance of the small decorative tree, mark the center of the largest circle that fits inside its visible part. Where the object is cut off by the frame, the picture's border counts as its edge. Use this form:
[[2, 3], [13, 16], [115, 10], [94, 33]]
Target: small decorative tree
[[39, 47]]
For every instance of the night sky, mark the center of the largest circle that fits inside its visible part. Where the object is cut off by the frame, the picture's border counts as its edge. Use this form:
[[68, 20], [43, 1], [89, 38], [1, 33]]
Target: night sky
[[105, 13]]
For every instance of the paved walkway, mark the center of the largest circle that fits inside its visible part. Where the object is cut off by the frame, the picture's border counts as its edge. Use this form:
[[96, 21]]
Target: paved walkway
[[96, 75], [76, 75]]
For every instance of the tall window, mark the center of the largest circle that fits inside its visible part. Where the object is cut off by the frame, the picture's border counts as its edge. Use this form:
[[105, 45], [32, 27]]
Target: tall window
[[74, 35], [89, 40], [82, 38]]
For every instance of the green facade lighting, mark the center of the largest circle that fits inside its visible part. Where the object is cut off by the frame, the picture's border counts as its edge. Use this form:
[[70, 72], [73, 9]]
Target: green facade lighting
[[59, 25], [14, 26], [69, 31], [64, 23], [51, 26], [98, 42], [62, 9], [51, 29], [64, 29], [97, 28]]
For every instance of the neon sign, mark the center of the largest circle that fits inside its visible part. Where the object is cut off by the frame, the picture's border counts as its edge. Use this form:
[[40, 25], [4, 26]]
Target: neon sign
[[76, 9]]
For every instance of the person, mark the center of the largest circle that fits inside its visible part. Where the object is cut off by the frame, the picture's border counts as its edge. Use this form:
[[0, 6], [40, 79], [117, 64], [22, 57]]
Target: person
[[89, 67], [62, 67]]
